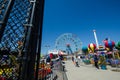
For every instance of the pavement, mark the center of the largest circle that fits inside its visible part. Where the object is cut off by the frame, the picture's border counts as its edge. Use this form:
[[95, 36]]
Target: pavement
[[89, 72]]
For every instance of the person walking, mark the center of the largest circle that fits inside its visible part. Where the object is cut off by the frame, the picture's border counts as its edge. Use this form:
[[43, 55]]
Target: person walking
[[96, 61], [76, 61], [79, 60], [73, 59]]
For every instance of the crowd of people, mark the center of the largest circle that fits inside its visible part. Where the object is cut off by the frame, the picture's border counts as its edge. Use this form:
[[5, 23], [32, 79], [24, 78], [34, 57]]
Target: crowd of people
[[100, 61]]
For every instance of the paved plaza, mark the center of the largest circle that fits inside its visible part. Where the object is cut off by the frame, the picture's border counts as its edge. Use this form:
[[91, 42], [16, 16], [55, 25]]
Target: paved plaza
[[89, 72]]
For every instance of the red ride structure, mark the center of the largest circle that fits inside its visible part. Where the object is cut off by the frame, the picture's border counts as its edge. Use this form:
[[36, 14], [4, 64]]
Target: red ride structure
[[109, 44]]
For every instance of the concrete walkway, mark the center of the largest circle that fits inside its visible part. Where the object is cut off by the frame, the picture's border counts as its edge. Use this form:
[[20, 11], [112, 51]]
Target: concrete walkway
[[89, 72]]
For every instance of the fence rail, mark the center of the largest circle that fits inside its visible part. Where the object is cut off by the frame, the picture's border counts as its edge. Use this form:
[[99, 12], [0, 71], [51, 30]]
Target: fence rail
[[56, 72]]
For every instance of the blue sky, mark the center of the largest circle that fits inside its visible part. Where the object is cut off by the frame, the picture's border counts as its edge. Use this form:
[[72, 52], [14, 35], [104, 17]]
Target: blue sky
[[80, 17]]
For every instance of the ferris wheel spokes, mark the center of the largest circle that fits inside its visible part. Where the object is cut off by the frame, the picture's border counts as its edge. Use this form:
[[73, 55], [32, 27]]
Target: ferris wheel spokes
[[68, 42]]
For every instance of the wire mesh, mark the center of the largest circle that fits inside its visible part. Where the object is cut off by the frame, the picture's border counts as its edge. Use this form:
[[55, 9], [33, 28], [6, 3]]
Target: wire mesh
[[3, 6], [15, 30], [13, 37]]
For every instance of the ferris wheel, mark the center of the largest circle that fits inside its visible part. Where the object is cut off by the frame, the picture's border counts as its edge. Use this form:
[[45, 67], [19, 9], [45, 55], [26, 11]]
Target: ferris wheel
[[68, 42]]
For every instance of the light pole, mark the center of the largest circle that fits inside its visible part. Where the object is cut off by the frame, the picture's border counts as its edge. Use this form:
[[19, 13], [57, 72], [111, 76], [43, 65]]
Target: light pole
[[47, 47], [80, 47]]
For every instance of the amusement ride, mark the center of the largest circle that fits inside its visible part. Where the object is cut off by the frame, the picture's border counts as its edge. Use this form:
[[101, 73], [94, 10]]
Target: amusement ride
[[68, 43]]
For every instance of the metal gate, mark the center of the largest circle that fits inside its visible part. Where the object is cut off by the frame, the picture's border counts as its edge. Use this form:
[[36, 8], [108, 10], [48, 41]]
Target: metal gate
[[20, 38]]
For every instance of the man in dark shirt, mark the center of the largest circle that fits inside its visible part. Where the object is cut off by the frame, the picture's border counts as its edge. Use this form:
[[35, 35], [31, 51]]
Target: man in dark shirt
[[96, 61]]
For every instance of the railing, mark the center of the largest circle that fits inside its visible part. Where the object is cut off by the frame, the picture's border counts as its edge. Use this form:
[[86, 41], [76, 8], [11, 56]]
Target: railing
[[55, 72]]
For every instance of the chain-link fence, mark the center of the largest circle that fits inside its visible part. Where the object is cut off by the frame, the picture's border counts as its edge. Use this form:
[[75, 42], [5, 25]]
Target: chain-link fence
[[20, 36], [15, 29], [3, 6], [13, 32]]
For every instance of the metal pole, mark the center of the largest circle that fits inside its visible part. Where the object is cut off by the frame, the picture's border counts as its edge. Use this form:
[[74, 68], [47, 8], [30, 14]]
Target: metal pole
[[80, 47], [39, 38], [94, 31], [33, 41], [27, 49], [36, 20], [47, 48]]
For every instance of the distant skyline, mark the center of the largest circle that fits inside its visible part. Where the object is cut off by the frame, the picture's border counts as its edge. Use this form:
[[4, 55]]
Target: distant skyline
[[80, 17]]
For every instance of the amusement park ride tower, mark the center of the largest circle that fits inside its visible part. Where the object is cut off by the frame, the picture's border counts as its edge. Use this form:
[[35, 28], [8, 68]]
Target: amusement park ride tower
[[95, 36], [68, 49]]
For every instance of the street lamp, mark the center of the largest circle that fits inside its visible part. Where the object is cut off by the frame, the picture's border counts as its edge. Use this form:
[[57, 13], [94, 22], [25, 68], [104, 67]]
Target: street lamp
[[80, 47], [47, 47]]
